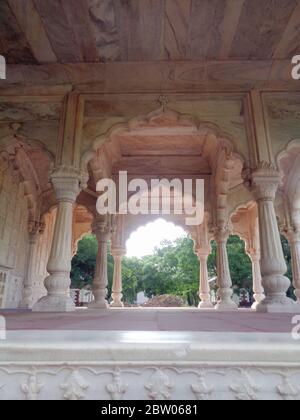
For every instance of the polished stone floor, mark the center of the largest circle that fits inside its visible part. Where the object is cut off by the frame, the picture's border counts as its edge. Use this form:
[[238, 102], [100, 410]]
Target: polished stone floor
[[150, 319]]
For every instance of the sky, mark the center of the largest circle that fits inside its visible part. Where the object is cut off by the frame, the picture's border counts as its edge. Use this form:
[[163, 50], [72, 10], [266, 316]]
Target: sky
[[143, 241]]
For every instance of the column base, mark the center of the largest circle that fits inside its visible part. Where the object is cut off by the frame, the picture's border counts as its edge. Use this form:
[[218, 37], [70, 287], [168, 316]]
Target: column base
[[98, 305], [226, 303], [117, 305], [205, 305], [50, 303], [25, 306], [258, 299], [226, 306], [278, 305]]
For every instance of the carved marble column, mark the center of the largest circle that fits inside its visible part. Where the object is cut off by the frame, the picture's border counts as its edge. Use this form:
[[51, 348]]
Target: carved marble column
[[253, 250], [118, 255], [273, 267], [27, 302], [204, 288], [66, 183], [258, 289], [224, 278], [102, 231], [293, 236]]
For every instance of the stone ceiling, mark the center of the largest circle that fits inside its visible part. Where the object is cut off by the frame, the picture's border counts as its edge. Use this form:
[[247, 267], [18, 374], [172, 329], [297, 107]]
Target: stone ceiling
[[91, 31]]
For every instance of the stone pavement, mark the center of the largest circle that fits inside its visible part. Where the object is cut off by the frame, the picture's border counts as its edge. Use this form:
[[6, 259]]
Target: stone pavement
[[152, 319]]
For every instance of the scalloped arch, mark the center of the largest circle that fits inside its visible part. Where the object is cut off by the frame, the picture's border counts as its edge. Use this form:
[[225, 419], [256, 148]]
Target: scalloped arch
[[167, 117]]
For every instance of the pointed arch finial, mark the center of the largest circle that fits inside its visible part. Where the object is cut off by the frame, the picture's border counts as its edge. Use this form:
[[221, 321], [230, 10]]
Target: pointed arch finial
[[163, 101]]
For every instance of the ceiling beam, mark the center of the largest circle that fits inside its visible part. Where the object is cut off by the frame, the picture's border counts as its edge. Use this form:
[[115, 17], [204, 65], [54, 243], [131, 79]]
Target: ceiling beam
[[33, 29], [229, 26], [290, 41], [59, 30], [180, 76], [79, 20]]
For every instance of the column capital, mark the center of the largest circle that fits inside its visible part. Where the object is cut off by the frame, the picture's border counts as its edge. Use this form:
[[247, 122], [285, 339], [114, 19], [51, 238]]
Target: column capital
[[101, 228], [203, 253], [222, 234], [35, 228], [292, 234], [265, 181], [67, 182], [118, 252]]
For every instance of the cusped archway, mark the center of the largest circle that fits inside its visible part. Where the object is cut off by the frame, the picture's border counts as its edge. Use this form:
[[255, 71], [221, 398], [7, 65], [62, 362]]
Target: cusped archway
[[168, 144]]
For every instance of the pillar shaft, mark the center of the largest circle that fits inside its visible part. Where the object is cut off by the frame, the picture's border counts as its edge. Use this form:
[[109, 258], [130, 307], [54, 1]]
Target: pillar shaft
[[224, 278], [66, 185], [258, 289], [117, 280], [27, 294], [204, 288], [101, 230], [273, 266]]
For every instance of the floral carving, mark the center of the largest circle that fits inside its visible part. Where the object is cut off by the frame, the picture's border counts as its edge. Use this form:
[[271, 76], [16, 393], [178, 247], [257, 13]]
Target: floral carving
[[287, 391], [75, 387], [159, 386], [246, 390], [32, 388], [117, 389], [201, 389]]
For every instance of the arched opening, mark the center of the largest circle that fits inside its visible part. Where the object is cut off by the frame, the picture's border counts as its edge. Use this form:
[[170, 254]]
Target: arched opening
[[287, 252], [24, 189], [244, 255], [166, 145], [288, 212], [83, 269], [167, 273], [240, 271]]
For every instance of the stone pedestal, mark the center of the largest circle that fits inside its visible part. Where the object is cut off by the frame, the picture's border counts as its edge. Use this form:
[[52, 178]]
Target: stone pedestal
[[66, 185], [225, 292], [102, 231], [204, 289], [118, 255], [273, 266]]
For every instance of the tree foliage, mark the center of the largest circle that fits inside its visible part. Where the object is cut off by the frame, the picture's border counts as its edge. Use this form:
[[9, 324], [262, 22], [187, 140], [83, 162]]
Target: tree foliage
[[173, 269]]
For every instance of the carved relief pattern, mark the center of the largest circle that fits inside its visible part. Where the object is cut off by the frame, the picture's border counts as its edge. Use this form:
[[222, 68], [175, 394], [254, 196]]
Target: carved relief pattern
[[245, 389], [160, 383], [287, 390], [75, 387], [32, 388], [201, 390], [117, 389], [159, 386]]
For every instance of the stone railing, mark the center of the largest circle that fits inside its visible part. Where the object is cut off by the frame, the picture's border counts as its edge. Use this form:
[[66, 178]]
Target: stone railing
[[125, 367]]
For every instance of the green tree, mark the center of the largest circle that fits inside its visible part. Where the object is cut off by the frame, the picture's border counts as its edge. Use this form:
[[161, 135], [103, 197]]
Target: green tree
[[172, 269], [84, 262]]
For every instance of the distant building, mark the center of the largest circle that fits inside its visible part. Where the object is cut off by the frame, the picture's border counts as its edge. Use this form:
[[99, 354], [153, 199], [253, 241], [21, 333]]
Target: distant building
[[141, 298]]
